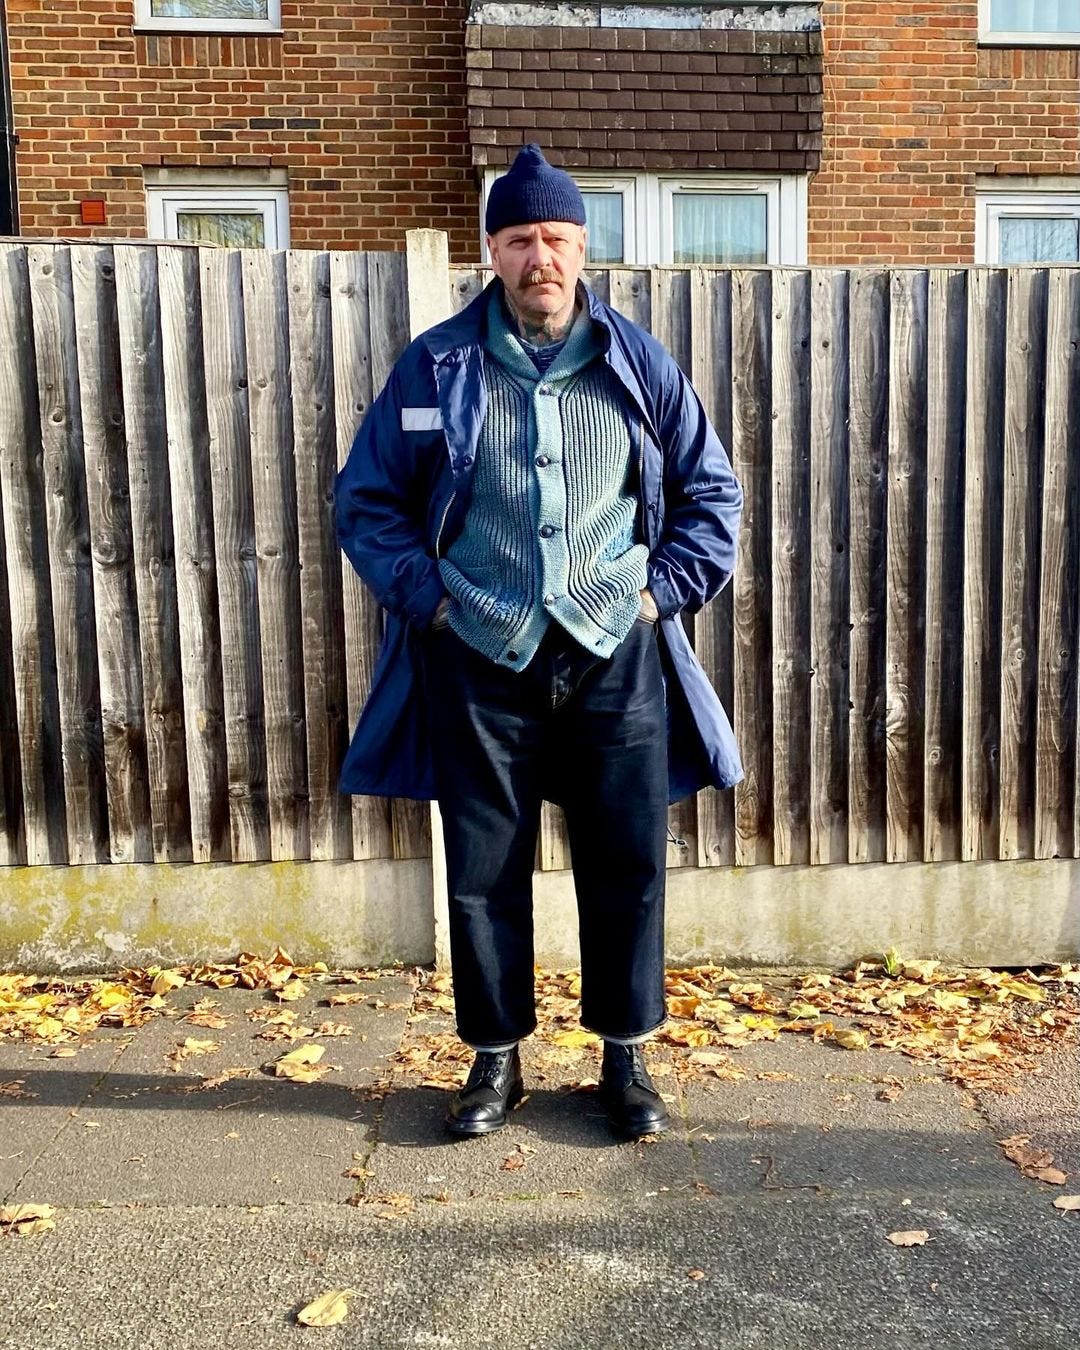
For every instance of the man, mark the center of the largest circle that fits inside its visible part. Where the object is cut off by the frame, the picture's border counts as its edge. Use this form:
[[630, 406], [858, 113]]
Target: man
[[534, 498]]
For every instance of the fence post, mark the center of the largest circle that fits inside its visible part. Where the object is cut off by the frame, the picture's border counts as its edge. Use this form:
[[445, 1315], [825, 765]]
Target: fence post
[[428, 268]]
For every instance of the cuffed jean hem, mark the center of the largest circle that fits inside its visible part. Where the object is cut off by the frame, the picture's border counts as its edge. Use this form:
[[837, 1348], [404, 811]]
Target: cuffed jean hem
[[635, 1039], [492, 1046]]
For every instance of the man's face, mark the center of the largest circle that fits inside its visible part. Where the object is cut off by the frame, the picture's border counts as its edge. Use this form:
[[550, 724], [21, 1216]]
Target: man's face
[[539, 265]]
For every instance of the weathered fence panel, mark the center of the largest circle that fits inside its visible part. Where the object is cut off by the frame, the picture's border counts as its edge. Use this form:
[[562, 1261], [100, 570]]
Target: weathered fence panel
[[183, 650]]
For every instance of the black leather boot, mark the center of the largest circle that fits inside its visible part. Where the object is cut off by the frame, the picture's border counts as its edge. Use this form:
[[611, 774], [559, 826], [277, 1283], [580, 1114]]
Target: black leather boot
[[493, 1088], [629, 1094]]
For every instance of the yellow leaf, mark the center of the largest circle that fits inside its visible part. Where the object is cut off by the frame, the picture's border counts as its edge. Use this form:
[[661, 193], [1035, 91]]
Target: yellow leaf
[[798, 1009], [852, 1039], [292, 991], [27, 1220], [303, 1055], [916, 1237], [1068, 1202], [165, 981], [920, 970], [682, 1007], [326, 1311], [575, 1040], [1021, 989]]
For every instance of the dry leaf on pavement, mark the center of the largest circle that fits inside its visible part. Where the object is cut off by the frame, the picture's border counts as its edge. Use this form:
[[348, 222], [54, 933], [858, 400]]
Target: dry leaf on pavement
[[26, 1220], [301, 1065], [915, 1237], [326, 1311], [1067, 1203]]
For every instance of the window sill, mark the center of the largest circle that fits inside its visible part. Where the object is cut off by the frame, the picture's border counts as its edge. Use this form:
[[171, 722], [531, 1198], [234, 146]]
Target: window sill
[[1056, 40], [253, 29]]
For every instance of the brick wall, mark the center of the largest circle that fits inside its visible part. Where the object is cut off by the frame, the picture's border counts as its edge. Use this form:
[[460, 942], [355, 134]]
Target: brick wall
[[913, 111], [364, 104], [647, 98]]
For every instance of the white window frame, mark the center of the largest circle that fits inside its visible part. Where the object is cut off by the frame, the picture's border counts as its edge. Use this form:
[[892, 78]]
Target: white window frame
[[163, 204], [147, 21], [997, 37], [990, 207], [647, 219]]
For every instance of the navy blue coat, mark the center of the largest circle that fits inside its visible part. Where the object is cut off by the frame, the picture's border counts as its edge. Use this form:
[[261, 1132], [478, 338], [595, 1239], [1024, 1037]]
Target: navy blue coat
[[402, 495]]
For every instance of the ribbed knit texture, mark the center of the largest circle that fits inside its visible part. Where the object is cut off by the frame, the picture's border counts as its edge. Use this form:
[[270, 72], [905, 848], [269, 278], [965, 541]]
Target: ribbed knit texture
[[551, 540]]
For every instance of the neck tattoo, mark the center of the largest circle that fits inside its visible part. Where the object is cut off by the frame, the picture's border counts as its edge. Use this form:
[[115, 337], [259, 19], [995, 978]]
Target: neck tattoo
[[542, 332]]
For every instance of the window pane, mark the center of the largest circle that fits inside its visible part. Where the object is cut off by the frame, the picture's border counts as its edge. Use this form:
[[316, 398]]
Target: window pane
[[1039, 239], [715, 227], [239, 229], [209, 9], [1034, 16], [604, 221]]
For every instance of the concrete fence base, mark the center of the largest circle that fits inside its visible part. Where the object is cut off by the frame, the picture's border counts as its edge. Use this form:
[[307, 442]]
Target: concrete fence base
[[85, 919]]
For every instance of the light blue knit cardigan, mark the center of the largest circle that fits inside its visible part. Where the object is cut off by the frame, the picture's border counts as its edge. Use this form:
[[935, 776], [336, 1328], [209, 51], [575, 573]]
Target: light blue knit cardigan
[[550, 529]]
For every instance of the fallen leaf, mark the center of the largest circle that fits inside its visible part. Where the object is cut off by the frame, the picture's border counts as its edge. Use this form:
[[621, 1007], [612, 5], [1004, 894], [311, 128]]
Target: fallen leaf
[[326, 1311], [1068, 1202], [575, 1040], [919, 970], [27, 1220], [917, 1237], [333, 1029], [1053, 1176], [165, 981], [188, 1047], [695, 1274], [852, 1039], [302, 1064], [293, 990]]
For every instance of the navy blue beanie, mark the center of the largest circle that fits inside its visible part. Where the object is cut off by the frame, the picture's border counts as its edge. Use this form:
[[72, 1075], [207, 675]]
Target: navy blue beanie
[[532, 190]]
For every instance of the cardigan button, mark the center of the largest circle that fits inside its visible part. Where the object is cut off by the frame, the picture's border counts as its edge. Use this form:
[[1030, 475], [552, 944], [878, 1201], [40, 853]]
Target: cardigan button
[[467, 460], [542, 461], [511, 656], [546, 531]]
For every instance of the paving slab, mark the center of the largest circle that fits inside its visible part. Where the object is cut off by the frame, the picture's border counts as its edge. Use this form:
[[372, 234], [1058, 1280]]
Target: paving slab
[[599, 1273], [145, 1133], [1046, 1106], [839, 1136], [39, 1096]]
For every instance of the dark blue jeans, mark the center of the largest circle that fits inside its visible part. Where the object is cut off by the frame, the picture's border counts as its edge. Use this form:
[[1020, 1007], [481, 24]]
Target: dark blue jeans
[[590, 733]]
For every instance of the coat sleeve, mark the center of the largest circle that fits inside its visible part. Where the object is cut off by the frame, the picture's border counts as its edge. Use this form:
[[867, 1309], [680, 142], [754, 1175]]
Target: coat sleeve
[[702, 503], [381, 509]]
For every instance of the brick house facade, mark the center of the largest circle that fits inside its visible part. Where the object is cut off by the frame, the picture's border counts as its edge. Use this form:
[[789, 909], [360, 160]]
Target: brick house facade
[[863, 132]]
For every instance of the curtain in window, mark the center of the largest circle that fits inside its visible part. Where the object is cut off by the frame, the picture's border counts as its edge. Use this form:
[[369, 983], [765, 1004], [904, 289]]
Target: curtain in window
[[604, 221], [231, 229], [1038, 240], [1035, 16], [716, 227], [209, 9]]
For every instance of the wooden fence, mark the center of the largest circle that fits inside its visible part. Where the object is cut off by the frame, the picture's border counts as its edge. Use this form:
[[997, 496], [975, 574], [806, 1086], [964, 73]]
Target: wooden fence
[[183, 650]]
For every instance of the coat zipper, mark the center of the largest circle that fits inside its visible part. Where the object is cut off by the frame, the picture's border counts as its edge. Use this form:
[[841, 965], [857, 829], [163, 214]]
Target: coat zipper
[[641, 481], [442, 522]]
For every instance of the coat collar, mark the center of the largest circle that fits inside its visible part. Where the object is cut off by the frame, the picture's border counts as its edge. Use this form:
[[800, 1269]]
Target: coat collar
[[450, 340]]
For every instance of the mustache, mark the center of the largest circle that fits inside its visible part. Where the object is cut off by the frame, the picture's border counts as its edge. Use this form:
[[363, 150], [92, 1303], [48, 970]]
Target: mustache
[[539, 275]]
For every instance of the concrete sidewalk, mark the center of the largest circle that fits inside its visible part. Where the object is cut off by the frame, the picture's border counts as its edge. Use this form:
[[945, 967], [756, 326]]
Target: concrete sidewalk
[[194, 1215]]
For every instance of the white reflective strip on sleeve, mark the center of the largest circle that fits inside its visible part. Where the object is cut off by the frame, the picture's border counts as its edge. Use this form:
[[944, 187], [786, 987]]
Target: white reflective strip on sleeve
[[421, 419]]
